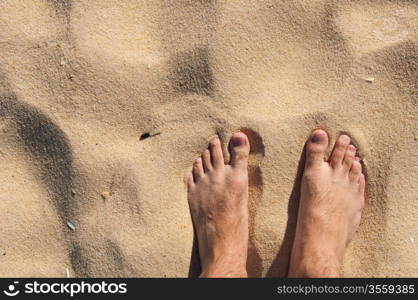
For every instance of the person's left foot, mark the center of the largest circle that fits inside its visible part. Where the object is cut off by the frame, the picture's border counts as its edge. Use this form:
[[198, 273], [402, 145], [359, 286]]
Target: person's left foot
[[218, 200]]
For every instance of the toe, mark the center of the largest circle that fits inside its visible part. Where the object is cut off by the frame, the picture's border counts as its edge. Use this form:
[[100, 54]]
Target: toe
[[316, 146], [362, 183], [362, 186], [190, 181], [339, 150], [349, 157], [355, 171], [207, 164], [239, 148], [216, 153], [197, 169]]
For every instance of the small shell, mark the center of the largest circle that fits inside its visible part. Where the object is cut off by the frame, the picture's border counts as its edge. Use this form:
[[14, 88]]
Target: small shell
[[369, 79], [71, 225]]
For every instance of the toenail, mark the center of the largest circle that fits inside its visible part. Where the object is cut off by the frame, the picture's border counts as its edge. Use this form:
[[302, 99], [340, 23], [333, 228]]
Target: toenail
[[214, 140], [317, 137], [345, 138], [351, 148], [237, 141]]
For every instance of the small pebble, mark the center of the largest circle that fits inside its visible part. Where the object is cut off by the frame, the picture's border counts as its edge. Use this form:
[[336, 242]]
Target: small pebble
[[105, 195], [369, 79]]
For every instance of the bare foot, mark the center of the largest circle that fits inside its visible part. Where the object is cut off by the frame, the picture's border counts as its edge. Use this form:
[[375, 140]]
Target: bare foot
[[332, 197], [218, 200]]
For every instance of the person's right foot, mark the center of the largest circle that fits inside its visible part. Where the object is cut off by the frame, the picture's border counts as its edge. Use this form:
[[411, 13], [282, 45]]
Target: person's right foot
[[332, 197]]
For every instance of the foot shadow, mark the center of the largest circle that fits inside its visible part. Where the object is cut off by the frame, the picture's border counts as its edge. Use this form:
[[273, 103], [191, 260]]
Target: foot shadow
[[280, 264]]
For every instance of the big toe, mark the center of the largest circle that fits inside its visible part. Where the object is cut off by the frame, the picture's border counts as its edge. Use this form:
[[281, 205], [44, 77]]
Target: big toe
[[316, 146], [240, 150]]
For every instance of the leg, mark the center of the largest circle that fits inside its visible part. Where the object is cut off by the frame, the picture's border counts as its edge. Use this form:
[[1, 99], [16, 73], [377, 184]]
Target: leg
[[332, 197], [218, 200]]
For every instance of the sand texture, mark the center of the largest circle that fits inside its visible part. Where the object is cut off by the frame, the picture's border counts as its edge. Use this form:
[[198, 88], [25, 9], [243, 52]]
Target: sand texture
[[105, 104]]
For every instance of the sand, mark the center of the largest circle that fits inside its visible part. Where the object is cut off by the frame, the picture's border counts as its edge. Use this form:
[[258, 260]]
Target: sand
[[82, 81]]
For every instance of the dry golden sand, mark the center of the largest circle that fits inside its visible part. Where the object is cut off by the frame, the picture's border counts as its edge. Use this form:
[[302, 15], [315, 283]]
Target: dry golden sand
[[81, 81]]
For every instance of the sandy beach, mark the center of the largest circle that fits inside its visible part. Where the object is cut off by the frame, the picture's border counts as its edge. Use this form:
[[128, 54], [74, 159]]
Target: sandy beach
[[104, 106]]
